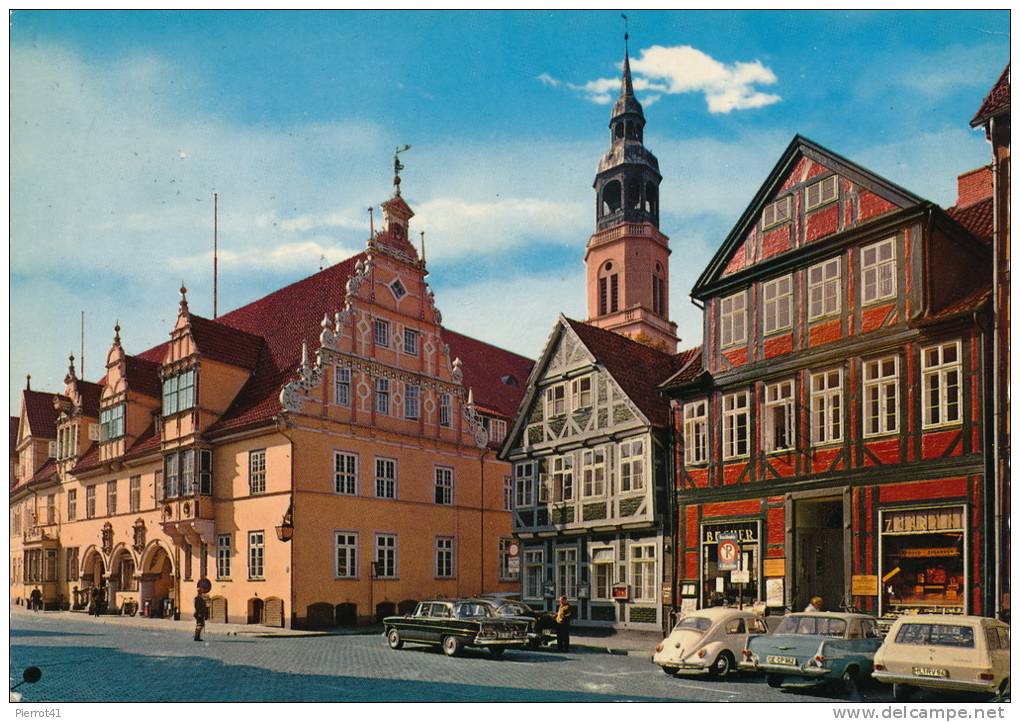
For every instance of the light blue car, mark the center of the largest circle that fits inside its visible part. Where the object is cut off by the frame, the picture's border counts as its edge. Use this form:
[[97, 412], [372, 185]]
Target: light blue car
[[815, 648]]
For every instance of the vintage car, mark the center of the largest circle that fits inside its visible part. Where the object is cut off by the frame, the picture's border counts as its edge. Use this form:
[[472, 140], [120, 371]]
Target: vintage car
[[543, 624], [455, 624], [814, 648], [944, 652], [709, 640]]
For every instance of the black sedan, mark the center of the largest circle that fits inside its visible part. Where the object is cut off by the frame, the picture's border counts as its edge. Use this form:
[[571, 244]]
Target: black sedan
[[543, 624], [455, 624]]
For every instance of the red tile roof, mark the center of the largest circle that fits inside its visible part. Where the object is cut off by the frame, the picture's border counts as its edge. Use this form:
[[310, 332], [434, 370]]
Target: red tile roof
[[146, 442], [688, 371], [45, 472], [996, 102], [961, 307], [222, 342], [87, 461], [978, 218], [42, 416], [637, 368], [90, 394], [143, 374], [15, 421], [496, 376]]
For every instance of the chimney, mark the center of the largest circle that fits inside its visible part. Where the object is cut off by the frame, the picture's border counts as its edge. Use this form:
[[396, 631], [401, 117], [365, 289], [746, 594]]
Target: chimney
[[973, 186]]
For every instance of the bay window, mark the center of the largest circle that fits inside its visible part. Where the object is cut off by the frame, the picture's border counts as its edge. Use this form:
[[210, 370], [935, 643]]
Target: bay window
[[179, 392], [111, 423]]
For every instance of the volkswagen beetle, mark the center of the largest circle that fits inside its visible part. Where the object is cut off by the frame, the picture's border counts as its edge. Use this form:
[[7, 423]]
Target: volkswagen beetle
[[708, 640]]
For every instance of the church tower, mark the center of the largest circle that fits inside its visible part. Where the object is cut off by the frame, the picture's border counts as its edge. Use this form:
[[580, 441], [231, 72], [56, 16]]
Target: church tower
[[627, 258]]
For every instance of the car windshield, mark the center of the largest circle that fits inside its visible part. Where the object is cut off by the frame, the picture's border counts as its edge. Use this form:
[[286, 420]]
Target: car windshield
[[812, 624], [512, 610], [693, 624], [936, 635], [471, 609]]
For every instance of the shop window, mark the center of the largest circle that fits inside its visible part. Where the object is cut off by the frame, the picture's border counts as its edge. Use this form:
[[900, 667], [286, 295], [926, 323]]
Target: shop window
[[923, 559], [716, 584], [506, 573]]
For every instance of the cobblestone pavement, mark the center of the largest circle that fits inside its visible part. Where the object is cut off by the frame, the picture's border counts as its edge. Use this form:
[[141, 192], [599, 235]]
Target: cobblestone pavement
[[83, 661]]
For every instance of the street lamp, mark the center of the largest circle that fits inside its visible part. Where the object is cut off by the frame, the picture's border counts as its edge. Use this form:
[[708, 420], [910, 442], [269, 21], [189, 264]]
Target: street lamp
[[285, 531]]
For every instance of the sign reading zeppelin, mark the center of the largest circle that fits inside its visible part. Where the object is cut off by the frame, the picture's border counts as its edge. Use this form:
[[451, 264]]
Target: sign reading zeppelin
[[728, 552]]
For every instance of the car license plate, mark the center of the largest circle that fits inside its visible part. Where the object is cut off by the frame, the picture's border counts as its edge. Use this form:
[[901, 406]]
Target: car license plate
[[931, 672], [776, 659]]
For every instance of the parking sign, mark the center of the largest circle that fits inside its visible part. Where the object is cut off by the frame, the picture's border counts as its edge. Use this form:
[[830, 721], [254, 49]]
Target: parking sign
[[729, 552]]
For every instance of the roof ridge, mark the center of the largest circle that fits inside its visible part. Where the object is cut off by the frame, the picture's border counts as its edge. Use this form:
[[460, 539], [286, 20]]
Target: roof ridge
[[488, 343]]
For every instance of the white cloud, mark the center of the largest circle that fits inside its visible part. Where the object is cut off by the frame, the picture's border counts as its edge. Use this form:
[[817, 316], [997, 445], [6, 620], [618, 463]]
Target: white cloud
[[547, 79], [302, 255]]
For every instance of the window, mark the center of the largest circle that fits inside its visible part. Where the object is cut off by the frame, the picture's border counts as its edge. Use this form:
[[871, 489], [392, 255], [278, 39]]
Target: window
[[736, 418], [170, 476], [823, 192], [524, 476], [778, 295], [614, 293], [602, 563], [508, 493], [111, 422], [178, 393], [696, 432], [497, 430], [187, 553], [382, 396], [223, 556], [67, 441], [111, 497], [779, 416], [505, 572], [533, 576], [203, 560], [823, 289], [776, 212], [658, 295], [342, 386], [632, 465], [257, 471], [445, 410], [544, 482], [826, 406], [563, 477], [940, 378], [386, 478], [51, 566], [188, 473], [346, 555], [444, 557], [410, 342], [135, 493], [412, 401], [398, 289], [593, 472], [382, 332], [90, 502], [566, 572], [555, 401], [444, 485], [345, 473], [51, 508], [642, 564], [386, 556], [881, 396], [72, 508], [256, 554], [205, 472], [580, 393], [71, 564], [878, 271], [733, 328]]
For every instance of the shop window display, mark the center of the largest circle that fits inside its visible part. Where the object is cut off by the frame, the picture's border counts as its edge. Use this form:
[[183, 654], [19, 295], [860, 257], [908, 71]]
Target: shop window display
[[924, 560], [717, 584]]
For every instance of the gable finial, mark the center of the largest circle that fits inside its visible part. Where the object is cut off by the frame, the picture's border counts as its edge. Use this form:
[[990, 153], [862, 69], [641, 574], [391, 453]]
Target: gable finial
[[116, 333], [70, 365], [397, 167], [28, 382], [423, 248]]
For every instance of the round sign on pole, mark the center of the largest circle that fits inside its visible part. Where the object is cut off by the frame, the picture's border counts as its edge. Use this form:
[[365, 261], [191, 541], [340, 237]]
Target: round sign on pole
[[728, 552]]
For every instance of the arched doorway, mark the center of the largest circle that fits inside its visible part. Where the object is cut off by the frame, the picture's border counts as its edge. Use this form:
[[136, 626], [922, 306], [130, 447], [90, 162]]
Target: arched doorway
[[156, 577], [123, 580], [93, 569], [255, 610]]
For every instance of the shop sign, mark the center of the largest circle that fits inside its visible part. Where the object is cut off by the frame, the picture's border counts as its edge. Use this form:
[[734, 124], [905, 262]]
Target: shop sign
[[923, 520], [740, 576], [621, 592], [774, 592], [728, 551], [667, 593], [775, 567], [864, 585], [743, 534], [513, 562]]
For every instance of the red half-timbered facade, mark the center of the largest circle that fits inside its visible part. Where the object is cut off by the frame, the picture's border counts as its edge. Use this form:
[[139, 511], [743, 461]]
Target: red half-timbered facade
[[836, 421]]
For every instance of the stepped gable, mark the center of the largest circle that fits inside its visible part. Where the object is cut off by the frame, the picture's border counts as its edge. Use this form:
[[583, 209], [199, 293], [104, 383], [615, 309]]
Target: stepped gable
[[496, 376]]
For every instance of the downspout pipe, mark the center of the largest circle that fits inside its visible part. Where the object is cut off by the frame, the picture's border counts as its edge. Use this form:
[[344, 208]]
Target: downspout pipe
[[989, 544], [674, 410], [996, 451], [281, 425]]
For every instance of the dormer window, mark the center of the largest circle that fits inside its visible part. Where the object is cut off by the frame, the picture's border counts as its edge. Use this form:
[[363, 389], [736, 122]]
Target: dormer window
[[67, 441], [111, 423], [179, 392]]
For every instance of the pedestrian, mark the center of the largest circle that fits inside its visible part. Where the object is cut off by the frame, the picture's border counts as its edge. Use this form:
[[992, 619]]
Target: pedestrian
[[815, 605], [94, 609], [36, 600], [201, 607], [563, 616]]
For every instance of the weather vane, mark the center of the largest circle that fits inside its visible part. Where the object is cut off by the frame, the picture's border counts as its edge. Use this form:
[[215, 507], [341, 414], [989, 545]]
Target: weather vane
[[398, 166], [626, 34]]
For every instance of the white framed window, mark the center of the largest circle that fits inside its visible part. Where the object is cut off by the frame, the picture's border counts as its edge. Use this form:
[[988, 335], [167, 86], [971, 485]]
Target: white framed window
[[505, 573], [580, 392], [779, 416], [736, 418], [497, 430], [257, 471], [386, 556], [778, 295], [345, 473], [444, 485], [593, 471], [72, 509], [524, 481], [170, 476], [545, 494], [111, 423], [603, 561], [696, 432], [632, 465], [534, 565], [111, 497], [382, 332], [444, 557], [508, 493], [566, 572], [823, 192], [223, 554], [555, 400], [563, 477], [90, 502], [178, 392], [941, 370], [733, 319], [445, 410], [51, 505], [412, 401], [342, 386], [776, 212], [878, 271], [642, 570], [256, 554], [205, 472], [386, 478], [410, 342], [188, 472], [135, 493], [827, 406], [823, 289], [382, 396], [346, 554], [881, 396]]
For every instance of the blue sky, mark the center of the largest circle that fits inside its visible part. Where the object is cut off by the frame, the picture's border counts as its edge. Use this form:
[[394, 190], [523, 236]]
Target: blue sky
[[124, 123]]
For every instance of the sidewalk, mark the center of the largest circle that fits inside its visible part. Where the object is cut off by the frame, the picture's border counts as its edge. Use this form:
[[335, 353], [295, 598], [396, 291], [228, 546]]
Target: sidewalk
[[611, 641]]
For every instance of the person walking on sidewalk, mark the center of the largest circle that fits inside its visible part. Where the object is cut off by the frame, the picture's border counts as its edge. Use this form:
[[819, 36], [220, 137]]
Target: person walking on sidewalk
[[201, 607], [563, 616]]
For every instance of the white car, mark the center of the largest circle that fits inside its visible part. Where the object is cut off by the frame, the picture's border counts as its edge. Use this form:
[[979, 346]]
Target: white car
[[708, 640], [944, 652]]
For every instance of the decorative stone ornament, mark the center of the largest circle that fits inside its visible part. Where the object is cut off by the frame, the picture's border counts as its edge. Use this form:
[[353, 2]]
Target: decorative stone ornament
[[106, 538], [138, 536], [474, 421]]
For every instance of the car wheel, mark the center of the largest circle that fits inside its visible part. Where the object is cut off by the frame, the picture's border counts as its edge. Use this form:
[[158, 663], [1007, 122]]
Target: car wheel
[[394, 639], [534, 643], [901, 692], [497, 651], [848, 681], [671, 671], [774, 680], [722, 665], [452, 646]]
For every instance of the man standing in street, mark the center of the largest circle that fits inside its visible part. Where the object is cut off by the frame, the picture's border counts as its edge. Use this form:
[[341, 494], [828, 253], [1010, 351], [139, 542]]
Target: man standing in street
[[201, 607], [563, 616]]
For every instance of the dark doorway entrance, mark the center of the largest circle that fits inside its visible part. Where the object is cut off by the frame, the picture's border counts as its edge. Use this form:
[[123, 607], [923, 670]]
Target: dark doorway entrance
[[818, 552]]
